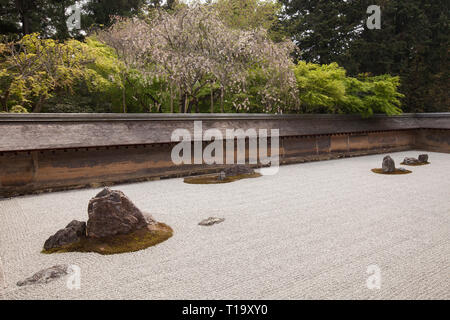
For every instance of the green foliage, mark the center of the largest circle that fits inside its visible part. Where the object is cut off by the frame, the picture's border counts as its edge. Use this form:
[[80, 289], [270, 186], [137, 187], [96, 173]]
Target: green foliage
[[80, 101], [412, 44], [104, 68], [18, 109], [33, 70], [146, 95], [327, 89], [38, 74], [321, 87], [251, 14], [373, 95]]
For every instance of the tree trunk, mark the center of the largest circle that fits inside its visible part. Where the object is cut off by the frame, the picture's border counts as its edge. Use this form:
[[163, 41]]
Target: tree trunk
[[186, 103], [183, 102], [124, 103], [26, 24], [193, 106], [5, 101], [171, 98], [38, 106], [212, 99], [23, 6], [124, 106], [221, 99]]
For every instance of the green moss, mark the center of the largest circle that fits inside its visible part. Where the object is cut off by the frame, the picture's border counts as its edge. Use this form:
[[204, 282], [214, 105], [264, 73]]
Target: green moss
[[212, 179], [416, 164], [138, 240], [396, 172]]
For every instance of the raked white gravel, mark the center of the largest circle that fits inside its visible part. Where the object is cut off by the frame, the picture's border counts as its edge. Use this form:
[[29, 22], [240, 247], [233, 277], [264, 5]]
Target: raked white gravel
[[311, 231]]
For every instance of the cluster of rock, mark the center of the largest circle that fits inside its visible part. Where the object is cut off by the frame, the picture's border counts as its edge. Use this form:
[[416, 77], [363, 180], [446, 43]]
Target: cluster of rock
[[110, 213], [389, 164], [422, 159], [235, 170]]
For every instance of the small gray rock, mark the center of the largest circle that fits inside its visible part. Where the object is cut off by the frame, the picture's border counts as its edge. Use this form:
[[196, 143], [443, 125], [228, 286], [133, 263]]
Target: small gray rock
[[402, 169], [46, 275], [423, 158], [148, 218], [388, 164], [210, 221]]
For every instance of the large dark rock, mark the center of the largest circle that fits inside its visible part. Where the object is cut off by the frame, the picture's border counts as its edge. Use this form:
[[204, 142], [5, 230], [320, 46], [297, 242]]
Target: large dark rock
[[423, 158], [237, 170], [112, 213], [388, 165], [46, 275], [72, 233]]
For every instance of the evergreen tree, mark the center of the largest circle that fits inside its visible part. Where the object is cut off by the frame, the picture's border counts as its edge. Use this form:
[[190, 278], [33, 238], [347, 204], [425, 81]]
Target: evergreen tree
[[100, 12], [47, 17], [9, 18], [322, 29], [412, 43]]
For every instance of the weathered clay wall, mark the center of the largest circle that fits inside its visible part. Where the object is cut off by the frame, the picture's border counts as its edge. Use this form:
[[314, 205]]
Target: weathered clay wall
[[433, 140], [55, 152]]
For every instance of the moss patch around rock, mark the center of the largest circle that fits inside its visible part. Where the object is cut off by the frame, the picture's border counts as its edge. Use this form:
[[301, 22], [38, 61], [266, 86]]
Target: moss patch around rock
[[396, 172], [212, 179], [138, 240], [416, 164]]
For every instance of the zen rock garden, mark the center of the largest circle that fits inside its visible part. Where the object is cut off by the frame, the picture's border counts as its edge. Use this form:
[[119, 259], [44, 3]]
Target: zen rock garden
[[114, 250], [115, 225], [227, 175], [388, 165]]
